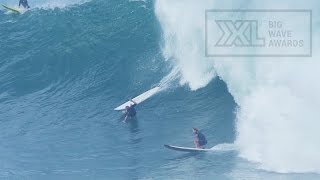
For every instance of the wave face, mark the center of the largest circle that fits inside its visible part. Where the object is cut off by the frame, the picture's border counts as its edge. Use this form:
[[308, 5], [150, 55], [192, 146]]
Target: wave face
[[62, 72], [278, 117]]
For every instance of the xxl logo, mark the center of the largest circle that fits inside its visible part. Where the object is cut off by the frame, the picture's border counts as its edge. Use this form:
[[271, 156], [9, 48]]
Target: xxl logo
[[239, 33]]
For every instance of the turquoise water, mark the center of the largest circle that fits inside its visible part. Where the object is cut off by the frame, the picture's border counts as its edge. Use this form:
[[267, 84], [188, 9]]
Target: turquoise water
[[64, 68]]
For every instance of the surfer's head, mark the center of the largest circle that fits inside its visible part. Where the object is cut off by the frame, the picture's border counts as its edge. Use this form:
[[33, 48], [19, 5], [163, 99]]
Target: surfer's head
[[127, 107], [195, 130]]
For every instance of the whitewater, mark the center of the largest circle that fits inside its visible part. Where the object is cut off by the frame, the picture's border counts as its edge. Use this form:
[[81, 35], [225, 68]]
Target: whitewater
[[278, 117], [65, 65]]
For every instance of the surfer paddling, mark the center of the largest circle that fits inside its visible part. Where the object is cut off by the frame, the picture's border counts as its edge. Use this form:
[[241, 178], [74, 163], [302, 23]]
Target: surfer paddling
[[199, 139], [130, 111], [24, 3]]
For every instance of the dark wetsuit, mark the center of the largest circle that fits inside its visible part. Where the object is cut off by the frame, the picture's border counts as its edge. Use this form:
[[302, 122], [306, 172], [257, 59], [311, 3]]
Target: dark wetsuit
[[201, 139], [131, 111], [24, 3]]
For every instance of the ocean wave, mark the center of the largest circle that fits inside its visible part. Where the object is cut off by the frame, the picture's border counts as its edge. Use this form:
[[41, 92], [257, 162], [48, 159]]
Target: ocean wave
[[278, 99]]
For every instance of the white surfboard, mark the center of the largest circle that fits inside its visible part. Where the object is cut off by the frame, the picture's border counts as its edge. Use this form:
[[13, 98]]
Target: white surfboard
[[11, 9], [139, 99], [186, 149]]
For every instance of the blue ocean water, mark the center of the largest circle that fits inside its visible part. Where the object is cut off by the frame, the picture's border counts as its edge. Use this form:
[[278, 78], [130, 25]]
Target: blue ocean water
[[62, 72]]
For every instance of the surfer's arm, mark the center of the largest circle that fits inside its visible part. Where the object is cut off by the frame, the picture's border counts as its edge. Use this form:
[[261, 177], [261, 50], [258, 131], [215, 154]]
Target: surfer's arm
[[126, 118], [133, 102]]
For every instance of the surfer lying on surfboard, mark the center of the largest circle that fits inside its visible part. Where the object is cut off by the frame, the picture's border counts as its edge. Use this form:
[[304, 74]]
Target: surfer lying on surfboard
[[130, 111], [199, 139], [24, 3]]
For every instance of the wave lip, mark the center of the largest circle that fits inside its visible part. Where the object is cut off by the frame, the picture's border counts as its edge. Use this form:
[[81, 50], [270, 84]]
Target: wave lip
[[183, 44]]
